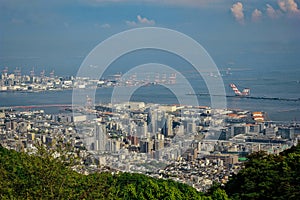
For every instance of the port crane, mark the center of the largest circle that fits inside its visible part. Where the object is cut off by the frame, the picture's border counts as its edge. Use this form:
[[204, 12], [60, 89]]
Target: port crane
[[245, 92]]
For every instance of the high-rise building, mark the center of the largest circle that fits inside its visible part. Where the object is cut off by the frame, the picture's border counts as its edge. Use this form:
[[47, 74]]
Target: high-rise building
[[167, 130], [101, 138], [146, 146], [159, 142], [113, 146], [191, 127], [133, 139], [287, 132], [179, 130], [142, 129]]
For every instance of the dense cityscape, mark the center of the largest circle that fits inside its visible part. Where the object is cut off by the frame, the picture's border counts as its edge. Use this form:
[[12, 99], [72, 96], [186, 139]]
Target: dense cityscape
[[16, 81], [194, 145], [150, 100]]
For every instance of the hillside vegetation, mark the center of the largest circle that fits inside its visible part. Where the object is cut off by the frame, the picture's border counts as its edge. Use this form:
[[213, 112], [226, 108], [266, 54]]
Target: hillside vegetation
[[268, 177], [24, 176], [41, 176]]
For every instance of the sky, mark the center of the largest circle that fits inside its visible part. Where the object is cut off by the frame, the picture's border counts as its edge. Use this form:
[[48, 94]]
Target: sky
[[58, 34]]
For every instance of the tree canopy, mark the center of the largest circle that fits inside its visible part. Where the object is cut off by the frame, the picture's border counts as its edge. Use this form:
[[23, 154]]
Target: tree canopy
[[42, 176], [268, 177]]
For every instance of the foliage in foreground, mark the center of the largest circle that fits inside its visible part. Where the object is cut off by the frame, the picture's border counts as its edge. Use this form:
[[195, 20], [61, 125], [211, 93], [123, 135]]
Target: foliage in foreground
[[268, 177], [24, 176]]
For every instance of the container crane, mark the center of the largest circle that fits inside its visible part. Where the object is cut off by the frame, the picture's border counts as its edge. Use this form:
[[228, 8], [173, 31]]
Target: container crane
[[245, 92]]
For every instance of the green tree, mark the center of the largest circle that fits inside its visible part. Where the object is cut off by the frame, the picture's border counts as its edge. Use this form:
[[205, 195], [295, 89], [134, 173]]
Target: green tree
[[47, 175], [268, 177]]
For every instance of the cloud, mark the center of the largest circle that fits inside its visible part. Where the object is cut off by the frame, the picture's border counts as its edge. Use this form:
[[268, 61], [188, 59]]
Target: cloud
[[256, 15], [141, 21], [237, 11], [131, 23], [272, 13], [105, 26], [288, 6], [145, 21]]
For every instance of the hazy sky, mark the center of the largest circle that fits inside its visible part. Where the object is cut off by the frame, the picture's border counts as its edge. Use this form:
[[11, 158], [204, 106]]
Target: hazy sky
[[60, 33]]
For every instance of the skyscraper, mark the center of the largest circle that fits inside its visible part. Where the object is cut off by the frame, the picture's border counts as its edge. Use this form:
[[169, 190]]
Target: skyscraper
[[101, 138]]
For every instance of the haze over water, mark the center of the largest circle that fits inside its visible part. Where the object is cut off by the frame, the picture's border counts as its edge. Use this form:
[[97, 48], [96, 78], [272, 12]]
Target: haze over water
[[258, 40]]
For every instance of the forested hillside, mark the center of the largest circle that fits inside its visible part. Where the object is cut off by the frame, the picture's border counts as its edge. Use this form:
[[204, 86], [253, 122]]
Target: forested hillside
[[268, 177], [42, 177], [24, 176]]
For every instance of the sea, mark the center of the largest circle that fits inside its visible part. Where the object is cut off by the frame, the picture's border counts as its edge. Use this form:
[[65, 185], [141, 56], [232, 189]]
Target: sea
[[271, 72], [277, 110]]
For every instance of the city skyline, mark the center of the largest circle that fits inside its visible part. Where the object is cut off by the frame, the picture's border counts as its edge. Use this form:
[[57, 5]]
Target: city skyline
[[149, 99]]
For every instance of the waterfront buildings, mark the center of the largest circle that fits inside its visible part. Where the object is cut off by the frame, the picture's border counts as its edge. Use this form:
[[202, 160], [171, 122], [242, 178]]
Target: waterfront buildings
[[166, 141]]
